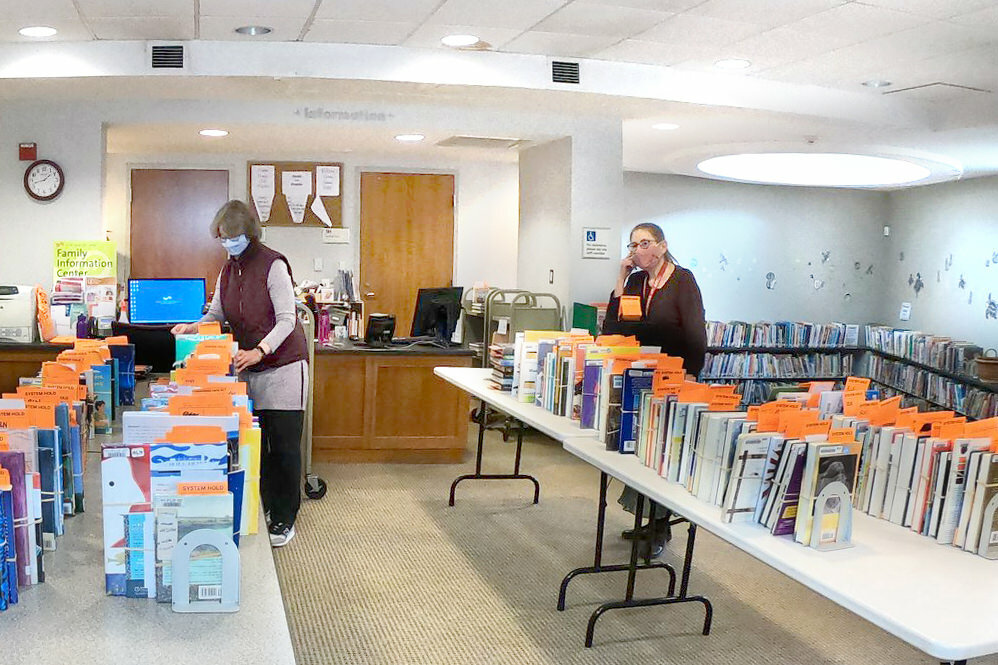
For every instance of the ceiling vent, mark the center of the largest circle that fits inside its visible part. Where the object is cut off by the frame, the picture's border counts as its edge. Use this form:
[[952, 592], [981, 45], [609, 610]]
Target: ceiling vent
[[488, 142], [564, 72], [938, 91], [167, 56]]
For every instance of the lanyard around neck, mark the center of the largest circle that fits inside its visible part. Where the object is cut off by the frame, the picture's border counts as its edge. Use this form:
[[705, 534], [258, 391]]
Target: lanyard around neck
[[649, 290]]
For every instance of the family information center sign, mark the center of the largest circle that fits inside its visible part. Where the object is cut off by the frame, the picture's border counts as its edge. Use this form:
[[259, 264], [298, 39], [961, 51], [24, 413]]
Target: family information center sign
[[85, 258], [595, 243]]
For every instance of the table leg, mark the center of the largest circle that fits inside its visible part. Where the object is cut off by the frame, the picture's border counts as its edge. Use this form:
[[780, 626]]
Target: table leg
[[598, 566], [478, 475]]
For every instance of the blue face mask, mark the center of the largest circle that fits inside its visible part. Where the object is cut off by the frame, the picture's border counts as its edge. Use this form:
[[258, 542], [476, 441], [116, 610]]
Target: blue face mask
[[235, 246]]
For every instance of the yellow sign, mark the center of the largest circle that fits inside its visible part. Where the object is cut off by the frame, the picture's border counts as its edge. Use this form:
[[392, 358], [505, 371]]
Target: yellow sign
[[84, 258]]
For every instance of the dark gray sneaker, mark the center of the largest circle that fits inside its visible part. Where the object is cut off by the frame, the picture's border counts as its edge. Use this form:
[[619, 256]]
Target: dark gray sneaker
[[281, 534]]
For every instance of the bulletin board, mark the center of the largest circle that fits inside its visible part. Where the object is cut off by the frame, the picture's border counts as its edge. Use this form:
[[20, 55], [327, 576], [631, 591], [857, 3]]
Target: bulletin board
[[296, 193]]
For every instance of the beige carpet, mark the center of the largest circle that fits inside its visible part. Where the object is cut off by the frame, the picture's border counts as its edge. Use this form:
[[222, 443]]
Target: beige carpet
[[384, 572]]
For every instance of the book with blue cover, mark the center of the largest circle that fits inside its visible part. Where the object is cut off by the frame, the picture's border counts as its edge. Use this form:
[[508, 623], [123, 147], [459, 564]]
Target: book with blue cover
[[125, 355], [53, 491], [8, 550], [68, 462], [590, 386], [636, 380], [103, 399]]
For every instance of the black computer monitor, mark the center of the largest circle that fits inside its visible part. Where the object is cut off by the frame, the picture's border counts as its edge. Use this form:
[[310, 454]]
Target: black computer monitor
[[437, 312], [165, 300]]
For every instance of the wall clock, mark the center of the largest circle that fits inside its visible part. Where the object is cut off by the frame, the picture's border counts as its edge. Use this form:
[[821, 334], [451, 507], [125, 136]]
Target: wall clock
[[44, 180]]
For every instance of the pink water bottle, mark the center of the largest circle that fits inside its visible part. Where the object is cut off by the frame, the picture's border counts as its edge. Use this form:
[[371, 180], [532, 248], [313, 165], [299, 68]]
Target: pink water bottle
[[323, 326]]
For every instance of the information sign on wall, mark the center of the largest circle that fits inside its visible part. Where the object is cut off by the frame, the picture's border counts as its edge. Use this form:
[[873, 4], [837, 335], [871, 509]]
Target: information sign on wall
[[84, 258], [595, 243]]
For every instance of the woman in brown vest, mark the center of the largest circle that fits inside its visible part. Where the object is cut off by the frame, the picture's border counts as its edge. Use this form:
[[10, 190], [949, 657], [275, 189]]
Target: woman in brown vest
[[255, 294]]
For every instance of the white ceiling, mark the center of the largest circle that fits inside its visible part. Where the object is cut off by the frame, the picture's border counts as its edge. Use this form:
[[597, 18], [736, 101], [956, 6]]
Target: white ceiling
[[941, 55]]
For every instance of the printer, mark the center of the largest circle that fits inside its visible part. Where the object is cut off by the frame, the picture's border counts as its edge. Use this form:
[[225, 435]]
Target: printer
[[17, 314]]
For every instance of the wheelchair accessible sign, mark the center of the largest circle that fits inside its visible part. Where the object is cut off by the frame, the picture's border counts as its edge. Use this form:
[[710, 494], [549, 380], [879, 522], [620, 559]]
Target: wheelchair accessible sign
[[595, 243]]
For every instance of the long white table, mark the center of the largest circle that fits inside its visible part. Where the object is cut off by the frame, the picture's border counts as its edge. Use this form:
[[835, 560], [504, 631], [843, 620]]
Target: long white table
[[937, 598]]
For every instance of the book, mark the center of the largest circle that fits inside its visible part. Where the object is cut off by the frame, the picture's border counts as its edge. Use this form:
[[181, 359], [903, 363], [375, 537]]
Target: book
[[987, 488], [826, 464], [635, 380], [955, 486], [742, 493], [784, 515], [940, 476]]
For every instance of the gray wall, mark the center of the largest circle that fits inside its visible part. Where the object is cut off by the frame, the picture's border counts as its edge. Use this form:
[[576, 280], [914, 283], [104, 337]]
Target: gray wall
[[947, 233], [732, 235]]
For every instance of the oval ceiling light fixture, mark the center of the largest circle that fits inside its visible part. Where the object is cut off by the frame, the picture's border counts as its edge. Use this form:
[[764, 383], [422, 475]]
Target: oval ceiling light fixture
[[733, 64], [876, 83], [815, 169], [460, 41], [213, 133], [665, 126], [37, 31], [254, 30], [409, 138]]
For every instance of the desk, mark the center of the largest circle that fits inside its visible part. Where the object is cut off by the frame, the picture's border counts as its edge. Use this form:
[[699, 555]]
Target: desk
[[940, 600], [386, 406], [17, 360], [475, 381]]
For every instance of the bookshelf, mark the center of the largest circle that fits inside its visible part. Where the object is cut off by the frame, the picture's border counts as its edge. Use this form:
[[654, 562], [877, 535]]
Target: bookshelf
[[941, 388]]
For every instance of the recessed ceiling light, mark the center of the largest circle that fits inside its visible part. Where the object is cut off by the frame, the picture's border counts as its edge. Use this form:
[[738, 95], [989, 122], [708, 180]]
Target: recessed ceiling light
[[213, 132], [37, 31], [876, 83], [733, 63], [815, 169], [460, 41], [665, 126], [254, 30], [410, 138]]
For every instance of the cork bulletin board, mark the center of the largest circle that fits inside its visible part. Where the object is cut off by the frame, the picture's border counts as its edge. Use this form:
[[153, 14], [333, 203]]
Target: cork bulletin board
[[296, 193]]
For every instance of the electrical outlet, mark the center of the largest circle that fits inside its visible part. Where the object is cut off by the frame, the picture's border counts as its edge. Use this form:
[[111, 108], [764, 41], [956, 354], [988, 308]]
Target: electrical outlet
[[317, 264]]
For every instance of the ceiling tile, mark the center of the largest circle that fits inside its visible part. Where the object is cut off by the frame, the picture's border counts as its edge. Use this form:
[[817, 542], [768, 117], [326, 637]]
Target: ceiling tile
[[517, 14], [359, 32], [130, 8], [781, 46], [987, 17], [976, 67], [248, 9], [925, 41], [168, 28], [377, 10], [652, 53], [668, 6], [429, 36], [689, 29], [558, 44], [70, 30], [40, 12], [582, 18], [769, 13], [938, 9], [223, 28], [858, 21]]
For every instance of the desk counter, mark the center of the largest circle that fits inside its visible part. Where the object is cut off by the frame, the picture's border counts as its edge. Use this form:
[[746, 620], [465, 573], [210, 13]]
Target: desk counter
[[17, 360], [385, 405]]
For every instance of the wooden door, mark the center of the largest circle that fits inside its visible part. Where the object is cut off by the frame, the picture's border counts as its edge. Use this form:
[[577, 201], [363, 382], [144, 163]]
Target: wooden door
[[171, 211], [406, 240]]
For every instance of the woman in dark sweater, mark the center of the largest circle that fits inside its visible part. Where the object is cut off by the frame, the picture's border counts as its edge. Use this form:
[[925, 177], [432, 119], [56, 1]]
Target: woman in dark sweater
[[672, 318]]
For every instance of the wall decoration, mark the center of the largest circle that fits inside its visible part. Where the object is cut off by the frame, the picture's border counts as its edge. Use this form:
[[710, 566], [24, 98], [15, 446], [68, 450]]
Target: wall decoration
[[825, 255], [991, 311], [900, 256], [939, 276], [857, 265], [819, 284], [297, 193], [770, 281], [962, 283], [970, 300], [723, 262], [919, 284], [869, 270], [948, 263], [911, 279]]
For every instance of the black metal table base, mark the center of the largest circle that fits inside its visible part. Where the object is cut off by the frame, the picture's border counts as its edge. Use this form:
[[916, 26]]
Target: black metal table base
[[478, 475], [633, 566]]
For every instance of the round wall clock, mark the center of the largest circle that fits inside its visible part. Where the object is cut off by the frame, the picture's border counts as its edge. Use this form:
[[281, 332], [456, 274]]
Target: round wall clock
[[44, 180]]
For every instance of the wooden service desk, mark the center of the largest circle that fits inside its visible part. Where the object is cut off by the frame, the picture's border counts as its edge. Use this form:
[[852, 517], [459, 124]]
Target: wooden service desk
[[17, 360], [387, 406]]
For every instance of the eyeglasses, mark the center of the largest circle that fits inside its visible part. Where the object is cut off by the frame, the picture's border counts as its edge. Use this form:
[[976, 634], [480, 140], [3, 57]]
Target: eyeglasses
[[644, 244]]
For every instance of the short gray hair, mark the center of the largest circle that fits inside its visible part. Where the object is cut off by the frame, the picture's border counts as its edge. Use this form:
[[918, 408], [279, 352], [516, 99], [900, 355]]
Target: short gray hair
[[235, 219]]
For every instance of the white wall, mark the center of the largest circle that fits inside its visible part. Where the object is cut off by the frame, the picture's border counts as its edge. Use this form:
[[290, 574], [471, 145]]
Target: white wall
[[731, 235], [947, 233], [485, 225], [72, 137], [545, 173]]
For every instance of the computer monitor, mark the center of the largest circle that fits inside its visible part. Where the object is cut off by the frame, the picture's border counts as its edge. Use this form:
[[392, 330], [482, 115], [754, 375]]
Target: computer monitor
[[437, 312], [165, 300]]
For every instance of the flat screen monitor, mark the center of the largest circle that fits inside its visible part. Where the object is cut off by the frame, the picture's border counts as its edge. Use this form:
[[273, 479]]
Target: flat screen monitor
[[437, 312], [165, 300]]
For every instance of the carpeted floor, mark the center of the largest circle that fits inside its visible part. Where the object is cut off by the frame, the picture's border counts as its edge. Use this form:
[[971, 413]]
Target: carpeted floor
[[383, 572]]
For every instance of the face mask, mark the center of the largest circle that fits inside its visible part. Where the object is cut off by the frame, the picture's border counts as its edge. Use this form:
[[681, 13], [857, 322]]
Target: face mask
[[235, 246]]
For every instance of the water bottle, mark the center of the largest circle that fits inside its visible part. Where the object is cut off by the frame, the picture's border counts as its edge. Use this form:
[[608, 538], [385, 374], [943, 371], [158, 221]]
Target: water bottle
[[323, 326], [81, 327]]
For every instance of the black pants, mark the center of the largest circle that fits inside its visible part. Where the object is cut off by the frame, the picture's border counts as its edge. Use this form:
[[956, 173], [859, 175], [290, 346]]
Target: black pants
[[280, 463]]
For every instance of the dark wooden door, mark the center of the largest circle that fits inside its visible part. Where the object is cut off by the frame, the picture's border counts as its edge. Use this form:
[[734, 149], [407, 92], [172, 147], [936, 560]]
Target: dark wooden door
[[171, 210], [406, 240]]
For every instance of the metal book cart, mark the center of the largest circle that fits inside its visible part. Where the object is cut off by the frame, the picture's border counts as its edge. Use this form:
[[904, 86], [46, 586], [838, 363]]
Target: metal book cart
[[315, 487], [513, 311]]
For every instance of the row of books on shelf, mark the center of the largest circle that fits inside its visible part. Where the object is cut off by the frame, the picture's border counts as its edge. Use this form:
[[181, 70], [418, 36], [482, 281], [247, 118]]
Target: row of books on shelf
[[935, 388], [45, 430], [943, 353], [185, 474], [781, 333], [769, 365]]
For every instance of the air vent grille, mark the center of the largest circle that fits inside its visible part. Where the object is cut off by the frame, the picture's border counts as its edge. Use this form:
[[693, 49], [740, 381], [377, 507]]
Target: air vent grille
[[564, 72], [169, 56], [487, 142]]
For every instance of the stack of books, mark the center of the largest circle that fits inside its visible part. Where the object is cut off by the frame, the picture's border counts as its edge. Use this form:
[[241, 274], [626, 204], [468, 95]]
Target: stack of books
[[501, 362]]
